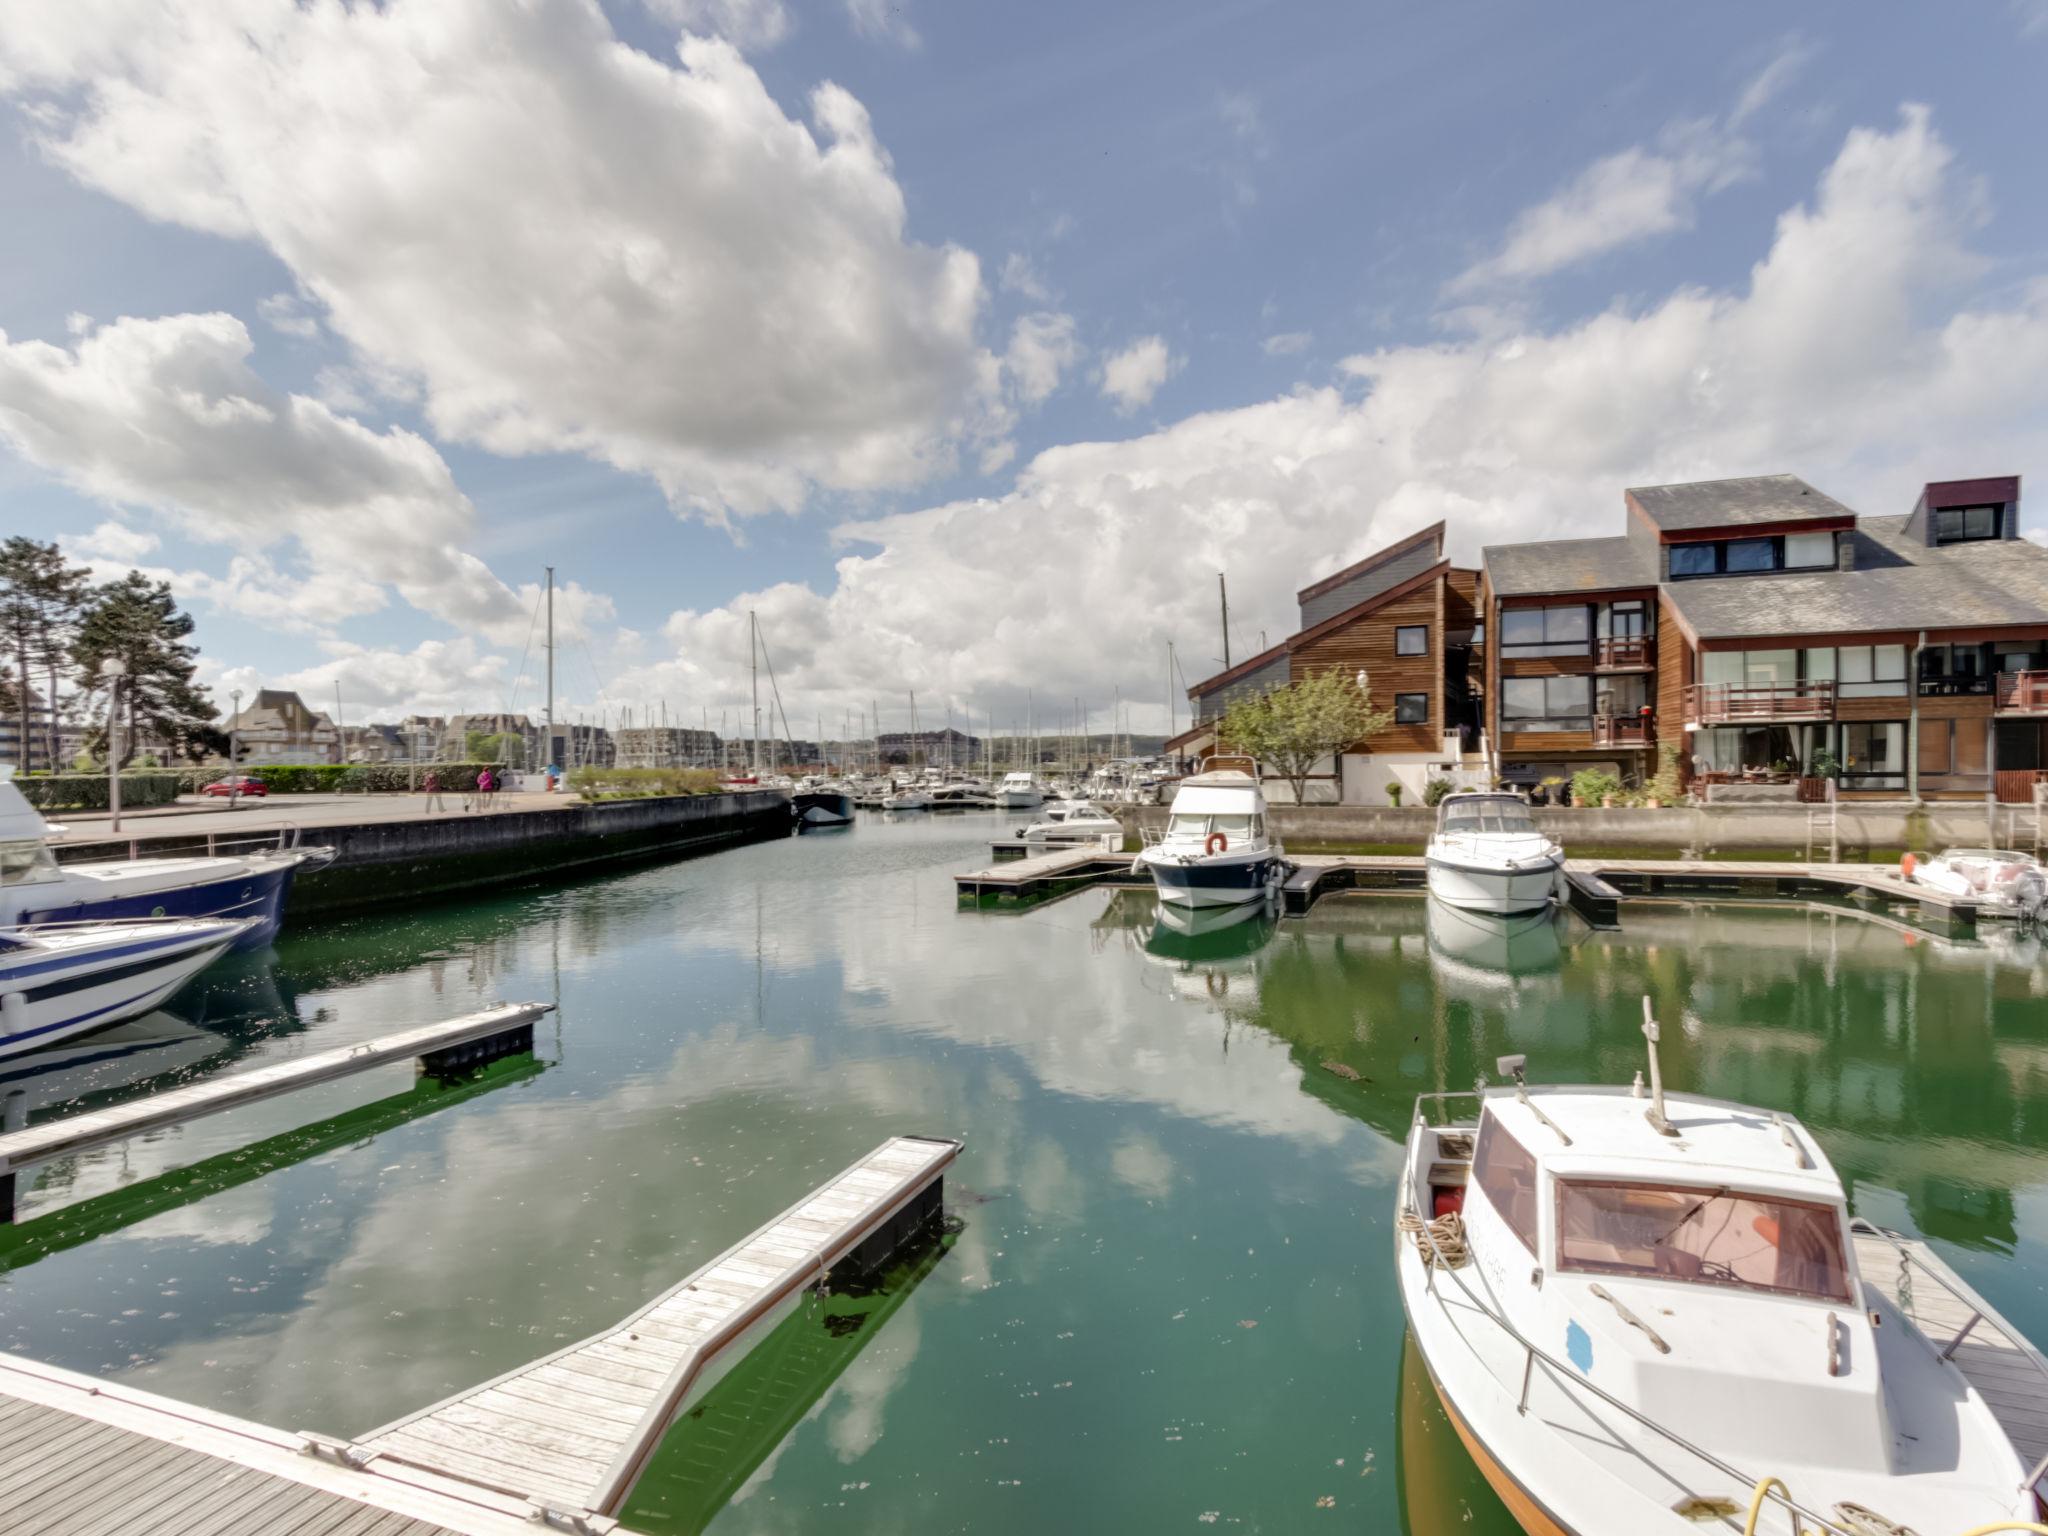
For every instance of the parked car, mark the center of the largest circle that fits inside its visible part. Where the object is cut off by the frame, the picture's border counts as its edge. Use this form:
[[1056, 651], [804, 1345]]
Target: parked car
[[242, 786]]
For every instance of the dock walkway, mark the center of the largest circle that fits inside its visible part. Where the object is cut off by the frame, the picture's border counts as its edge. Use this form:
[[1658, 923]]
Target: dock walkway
[[1995, 1357], [452, 1043], [572, 1431]]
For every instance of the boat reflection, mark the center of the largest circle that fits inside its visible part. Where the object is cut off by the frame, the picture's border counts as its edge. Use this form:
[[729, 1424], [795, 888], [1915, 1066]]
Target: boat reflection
[[99, 1066], [1442, 1488], [1211, 952], [1492, 950]]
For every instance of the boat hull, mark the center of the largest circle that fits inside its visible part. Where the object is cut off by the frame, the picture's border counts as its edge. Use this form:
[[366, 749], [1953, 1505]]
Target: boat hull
[[822, 808], [64, 999], [1529, 1513], [1502, 891], [1215, 882], [256, 891]]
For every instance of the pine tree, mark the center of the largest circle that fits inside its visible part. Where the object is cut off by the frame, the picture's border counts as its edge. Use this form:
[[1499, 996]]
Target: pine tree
[[137, 620], [41, 598]]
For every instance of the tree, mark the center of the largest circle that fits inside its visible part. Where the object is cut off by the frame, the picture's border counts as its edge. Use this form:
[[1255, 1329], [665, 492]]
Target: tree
[[1294, 727], [41, 597], [137, 620]]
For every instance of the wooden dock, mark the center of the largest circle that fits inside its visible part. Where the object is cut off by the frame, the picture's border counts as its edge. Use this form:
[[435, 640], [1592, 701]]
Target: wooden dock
[[449, 1046], [572, 1431], [1995, 1357], [83, 1457], [1047, 872]]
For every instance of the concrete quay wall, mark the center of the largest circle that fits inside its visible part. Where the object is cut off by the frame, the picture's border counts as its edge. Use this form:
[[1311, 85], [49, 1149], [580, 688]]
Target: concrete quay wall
[[1864, 829]]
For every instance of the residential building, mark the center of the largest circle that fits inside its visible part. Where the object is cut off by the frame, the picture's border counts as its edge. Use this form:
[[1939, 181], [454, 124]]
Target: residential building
[[1759, 626], [666, 746], [38, 755], [575, 746], [1402, 621], [278, 728], [375, 744], [932, 749]]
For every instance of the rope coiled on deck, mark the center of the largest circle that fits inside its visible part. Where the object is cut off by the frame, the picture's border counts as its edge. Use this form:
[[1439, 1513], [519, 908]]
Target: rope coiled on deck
[[1445, 1243]]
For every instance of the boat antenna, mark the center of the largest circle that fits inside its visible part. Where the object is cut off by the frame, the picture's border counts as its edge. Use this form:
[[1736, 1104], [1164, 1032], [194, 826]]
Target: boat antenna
[[1655, 1113], [1223, 593]]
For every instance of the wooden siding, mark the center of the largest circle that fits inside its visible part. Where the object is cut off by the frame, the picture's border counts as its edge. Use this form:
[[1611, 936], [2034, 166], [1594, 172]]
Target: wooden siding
[[1547, 743], [1674, 673], [1546, 666], [1489, 667], [1898, 707], [1368, 642]]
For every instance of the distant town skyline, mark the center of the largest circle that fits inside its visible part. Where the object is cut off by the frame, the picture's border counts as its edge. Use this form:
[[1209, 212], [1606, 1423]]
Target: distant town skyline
[[964, 348]]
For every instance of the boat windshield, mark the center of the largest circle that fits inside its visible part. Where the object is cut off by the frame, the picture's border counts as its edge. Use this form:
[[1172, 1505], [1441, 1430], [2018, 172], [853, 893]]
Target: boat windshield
[[1706, 1236], [26, 861], [1185, 827], [1488, 816]]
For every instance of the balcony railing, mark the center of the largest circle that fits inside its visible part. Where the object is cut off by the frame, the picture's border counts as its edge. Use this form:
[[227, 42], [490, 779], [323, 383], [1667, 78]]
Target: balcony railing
[[2023, 693], [1625, 653], [1719, 703], [1621, 731]]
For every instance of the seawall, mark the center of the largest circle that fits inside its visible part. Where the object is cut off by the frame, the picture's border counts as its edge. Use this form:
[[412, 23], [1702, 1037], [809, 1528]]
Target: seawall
[[386, 862]]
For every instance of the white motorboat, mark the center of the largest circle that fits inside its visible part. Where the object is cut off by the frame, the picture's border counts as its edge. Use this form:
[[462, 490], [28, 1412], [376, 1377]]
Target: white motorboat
[[2001, 879], [35, 888], [907, 798], [1067, 822], [1019, 792], [1488, 856], [1655, 1316], [64, 979], [963, 795], [1216, 850]]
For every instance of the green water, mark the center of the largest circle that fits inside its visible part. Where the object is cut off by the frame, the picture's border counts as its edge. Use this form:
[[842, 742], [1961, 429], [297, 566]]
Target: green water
[[1169, 1302]]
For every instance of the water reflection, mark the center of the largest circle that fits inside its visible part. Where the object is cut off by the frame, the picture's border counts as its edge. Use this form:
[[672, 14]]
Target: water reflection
[[1492, 950], [159, 1048]]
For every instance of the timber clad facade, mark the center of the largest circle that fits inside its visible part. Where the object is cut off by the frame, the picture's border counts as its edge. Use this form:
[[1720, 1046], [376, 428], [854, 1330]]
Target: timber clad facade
[[1750, 628]]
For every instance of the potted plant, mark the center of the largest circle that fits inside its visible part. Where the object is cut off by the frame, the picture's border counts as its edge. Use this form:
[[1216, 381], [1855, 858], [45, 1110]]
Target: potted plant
[[1394, 792], [1434, 791], [1594, 786]]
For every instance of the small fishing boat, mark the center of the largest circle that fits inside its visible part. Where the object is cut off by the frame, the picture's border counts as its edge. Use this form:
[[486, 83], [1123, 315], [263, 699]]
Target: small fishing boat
[[1064, 823], [35, 888], [1488, 856], [1216, 850], [1019, 792], [1998, 878], [64, 979], [1649, 1316]]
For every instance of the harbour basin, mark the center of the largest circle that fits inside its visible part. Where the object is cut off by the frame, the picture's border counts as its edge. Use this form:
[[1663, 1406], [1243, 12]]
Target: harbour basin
[[1167, 1296]]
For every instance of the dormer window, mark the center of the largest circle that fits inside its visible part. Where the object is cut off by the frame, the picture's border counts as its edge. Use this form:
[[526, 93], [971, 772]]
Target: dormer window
[[1749, 557], [1961, 525]]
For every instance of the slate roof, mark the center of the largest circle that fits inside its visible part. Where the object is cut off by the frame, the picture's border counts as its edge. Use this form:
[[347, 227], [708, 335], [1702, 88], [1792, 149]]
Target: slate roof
[[1896, 585], [1734, 503], [1570, 565]]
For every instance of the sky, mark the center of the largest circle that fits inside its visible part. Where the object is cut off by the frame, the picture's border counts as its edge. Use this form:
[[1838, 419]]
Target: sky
[[964, 345]]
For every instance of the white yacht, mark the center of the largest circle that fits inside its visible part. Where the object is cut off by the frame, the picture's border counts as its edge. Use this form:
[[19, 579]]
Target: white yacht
[[63, 979], [1488, 856], [907, 797], [1019, 792], [1066, 822], [1216, 851], [2001, 879], [1656, 1316]]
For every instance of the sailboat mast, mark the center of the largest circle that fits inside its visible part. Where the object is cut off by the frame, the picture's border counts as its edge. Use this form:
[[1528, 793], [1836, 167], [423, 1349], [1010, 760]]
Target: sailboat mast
[[549, 749], [754, 684]]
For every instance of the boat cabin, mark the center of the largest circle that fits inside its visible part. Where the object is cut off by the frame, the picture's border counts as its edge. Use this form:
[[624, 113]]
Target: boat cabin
[[25, 857], [1227, 803], [1467, 815]]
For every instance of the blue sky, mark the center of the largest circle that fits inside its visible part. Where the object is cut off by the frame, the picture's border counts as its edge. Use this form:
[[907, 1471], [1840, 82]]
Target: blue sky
[[1264, 285]]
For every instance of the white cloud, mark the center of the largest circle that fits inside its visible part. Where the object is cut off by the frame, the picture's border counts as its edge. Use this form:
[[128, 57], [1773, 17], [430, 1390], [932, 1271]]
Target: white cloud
[[167, 415], [1042, 347], [889, 19], [1854, 354], [1020, 276], [117, 541], [746, 24], [1636, 194], [287, 313], [1286, 344], [565, 244], [1248, 144], [1133, 376]]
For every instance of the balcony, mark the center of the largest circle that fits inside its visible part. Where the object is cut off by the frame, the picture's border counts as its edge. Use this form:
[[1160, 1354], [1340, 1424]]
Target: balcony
[[1623, 731], [1625, 653], [1738, 703], [2023, 693]]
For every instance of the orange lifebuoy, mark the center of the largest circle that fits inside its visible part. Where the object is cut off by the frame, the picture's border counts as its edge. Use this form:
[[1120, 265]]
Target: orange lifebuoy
[[1217, 843]]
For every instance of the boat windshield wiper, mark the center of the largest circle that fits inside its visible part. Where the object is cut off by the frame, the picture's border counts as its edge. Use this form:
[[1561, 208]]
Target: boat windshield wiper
[[1697, 1206]]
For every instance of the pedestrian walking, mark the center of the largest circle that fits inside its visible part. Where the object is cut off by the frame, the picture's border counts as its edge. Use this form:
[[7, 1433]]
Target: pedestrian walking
[[485, 784], [432, 785]]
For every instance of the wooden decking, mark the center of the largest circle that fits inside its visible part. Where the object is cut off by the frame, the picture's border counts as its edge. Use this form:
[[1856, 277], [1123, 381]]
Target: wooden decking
[[1996, 1358], [452, 1042], [81, 1457], [572, 1431], [1041, 872]]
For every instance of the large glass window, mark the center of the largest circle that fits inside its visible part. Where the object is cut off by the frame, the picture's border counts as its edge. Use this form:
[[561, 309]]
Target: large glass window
[[1956, 525], [1411, 640], [1740, 556], [1506, 1175], [1411, 708], [1626, 620], [1546, 703], [1704, 1236], [1566, 631], [1622, 697], [1873, 754], [1745, 557], [1870, 671], [1694, 560], [1955, 669], [1808, 551]]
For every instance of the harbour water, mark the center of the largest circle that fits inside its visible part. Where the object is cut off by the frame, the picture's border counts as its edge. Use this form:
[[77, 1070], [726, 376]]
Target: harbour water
[[1168, 1301]]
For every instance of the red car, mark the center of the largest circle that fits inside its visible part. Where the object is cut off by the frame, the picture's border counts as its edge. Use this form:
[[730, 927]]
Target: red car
[[242, 786]]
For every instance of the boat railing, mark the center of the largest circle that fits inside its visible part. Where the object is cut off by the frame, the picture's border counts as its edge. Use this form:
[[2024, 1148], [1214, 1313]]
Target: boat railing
[[1911, 1263], [1568, 1381]]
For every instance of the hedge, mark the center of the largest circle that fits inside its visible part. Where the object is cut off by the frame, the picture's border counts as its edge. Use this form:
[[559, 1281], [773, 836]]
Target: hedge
[[642, 783], [88, 791]]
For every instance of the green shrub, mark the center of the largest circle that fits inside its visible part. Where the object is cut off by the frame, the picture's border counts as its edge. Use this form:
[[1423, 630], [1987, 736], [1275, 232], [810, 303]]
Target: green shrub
[[1666, 786], [1434, 791], [641, 783], [1592, 785], [1394, 792], [88, 791]]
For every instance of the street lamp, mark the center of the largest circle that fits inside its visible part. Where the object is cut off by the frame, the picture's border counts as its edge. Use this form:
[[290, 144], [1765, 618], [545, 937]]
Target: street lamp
[[234, 747], [112, 669]]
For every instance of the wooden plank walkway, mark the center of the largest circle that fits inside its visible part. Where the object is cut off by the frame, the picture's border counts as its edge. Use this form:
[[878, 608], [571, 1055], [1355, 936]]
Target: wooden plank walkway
[[82, 1457], [452, 1042], [573, 1430], [1995, 1357], [1019, 877]]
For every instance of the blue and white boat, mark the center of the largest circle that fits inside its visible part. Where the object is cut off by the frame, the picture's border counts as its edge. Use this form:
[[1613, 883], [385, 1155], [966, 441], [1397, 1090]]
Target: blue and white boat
[[35, 888], [64, 980], [1216, 851]]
